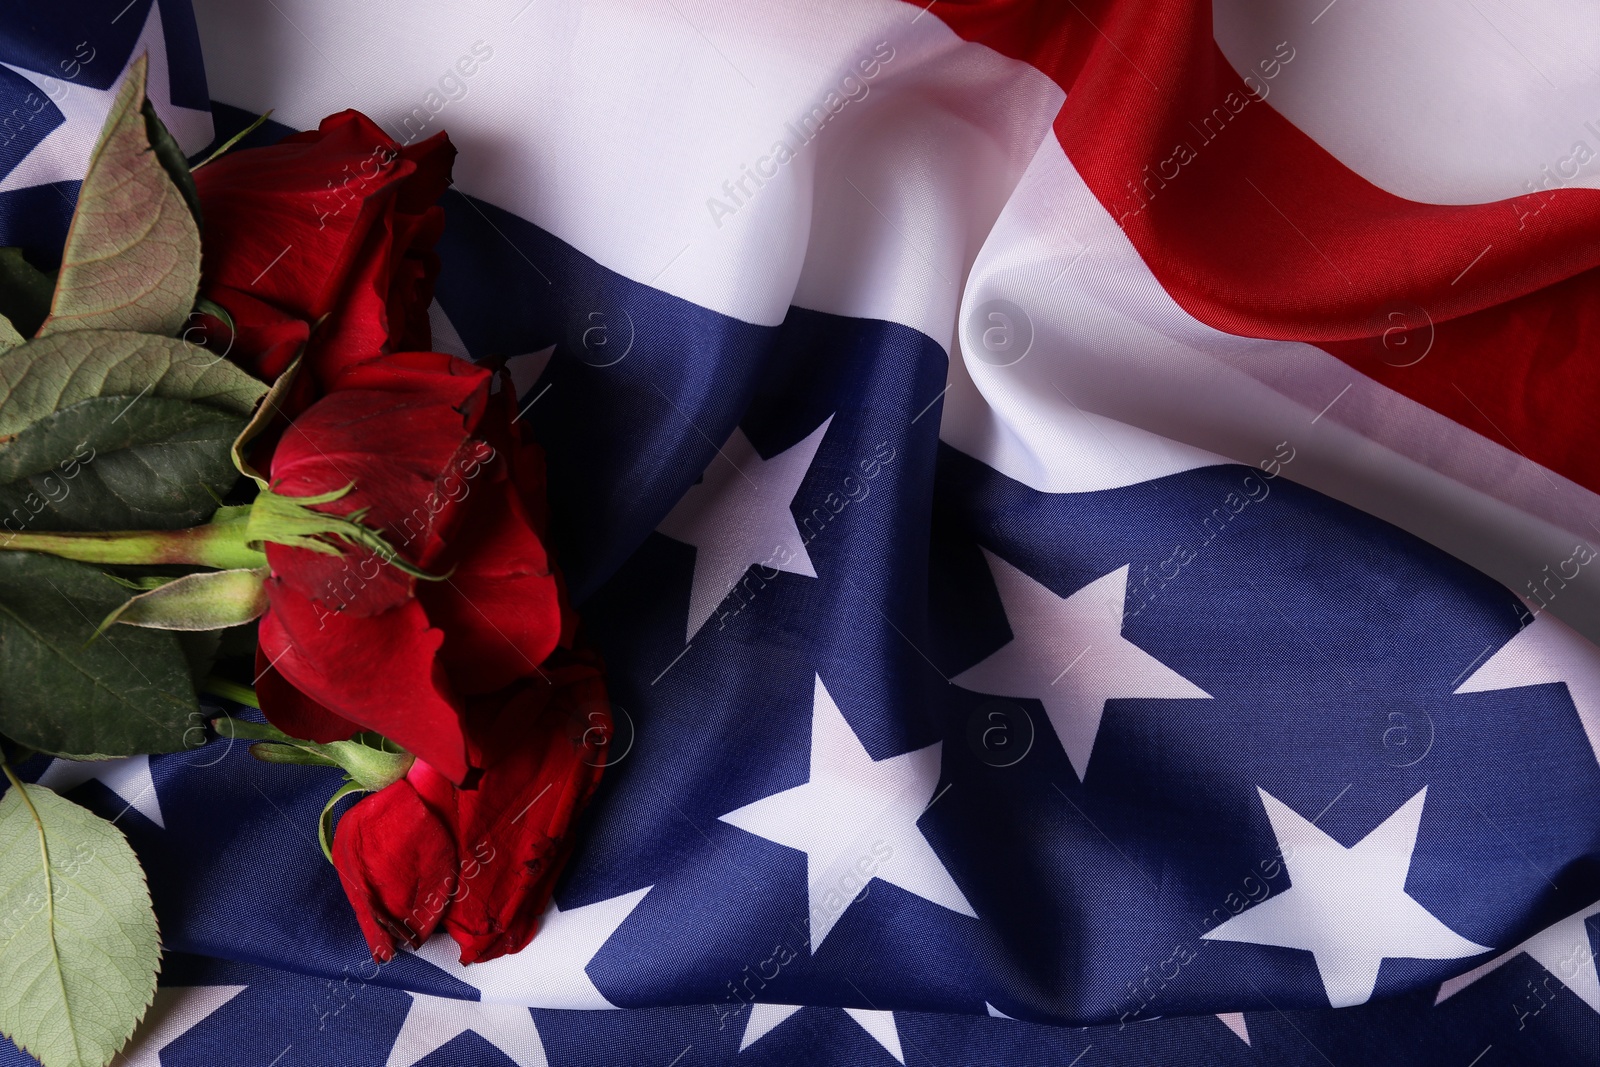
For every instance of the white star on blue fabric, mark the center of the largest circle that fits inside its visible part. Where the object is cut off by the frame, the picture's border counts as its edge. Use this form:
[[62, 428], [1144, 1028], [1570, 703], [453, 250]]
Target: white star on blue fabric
[[1234, 1020], [737, 517], [1564, 949], [129, 778], [764, 1018], [856, 820], [63, 153], [1348, 907], [1068, 653], [1543, 652], [175, 1011], [433, 1022], [551, 972]]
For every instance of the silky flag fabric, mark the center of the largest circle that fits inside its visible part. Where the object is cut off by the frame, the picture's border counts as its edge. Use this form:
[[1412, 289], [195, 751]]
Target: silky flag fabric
[[1087, 510]]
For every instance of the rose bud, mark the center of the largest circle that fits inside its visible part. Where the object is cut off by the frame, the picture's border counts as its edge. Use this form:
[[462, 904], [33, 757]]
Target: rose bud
[[481, 862], [326, 236]]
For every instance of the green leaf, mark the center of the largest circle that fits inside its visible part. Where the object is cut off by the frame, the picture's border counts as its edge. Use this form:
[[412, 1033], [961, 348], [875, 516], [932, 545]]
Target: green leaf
[[50, 373], [79, 947], [132, 258], [9, 337], [209, 600], [171, 157], [117, 463], [126, 692], [24, 292]]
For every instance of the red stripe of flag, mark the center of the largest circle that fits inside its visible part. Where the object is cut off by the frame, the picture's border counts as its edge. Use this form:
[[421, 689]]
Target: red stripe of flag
[[1256, 230]]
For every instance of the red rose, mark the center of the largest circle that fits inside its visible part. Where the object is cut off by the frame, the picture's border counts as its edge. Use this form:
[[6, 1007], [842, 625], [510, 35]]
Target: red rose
[[337, 222], [481, 863], [351, 641]]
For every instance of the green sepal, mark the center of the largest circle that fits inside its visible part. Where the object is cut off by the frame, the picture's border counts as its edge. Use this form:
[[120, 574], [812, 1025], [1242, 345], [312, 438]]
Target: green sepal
[[368, 758], [235, 139], [216, 311], [325, 822], [373, 764], [211, 600], [288, 754], [290, 520], [234, 729]]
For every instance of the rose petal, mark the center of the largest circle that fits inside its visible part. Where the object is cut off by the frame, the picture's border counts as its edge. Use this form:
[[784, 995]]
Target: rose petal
[[550, 740], [498, 609], [397, 862], [334, 228], [264, 340], [401, 448], [285, 222], [289, 709], [380, 671]]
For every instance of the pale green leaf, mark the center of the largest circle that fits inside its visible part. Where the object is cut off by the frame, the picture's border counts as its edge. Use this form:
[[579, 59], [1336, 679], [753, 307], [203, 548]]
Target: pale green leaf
[[9, 337], [50, 373], [79, 948], [132, 257]]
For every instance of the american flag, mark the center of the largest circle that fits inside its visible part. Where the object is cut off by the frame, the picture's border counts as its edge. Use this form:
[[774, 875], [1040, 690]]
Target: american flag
[[1086, 505]]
